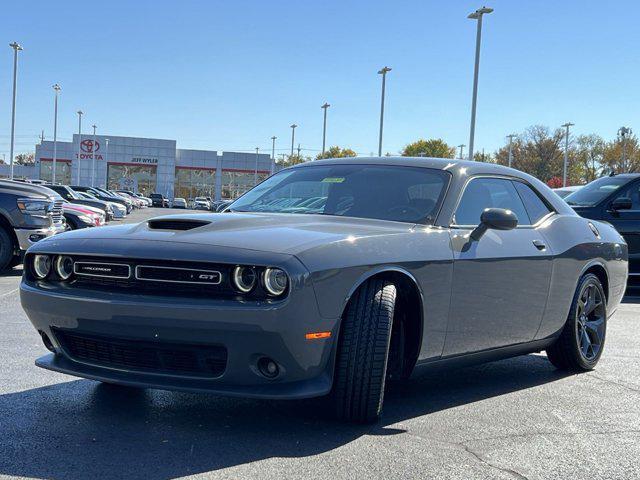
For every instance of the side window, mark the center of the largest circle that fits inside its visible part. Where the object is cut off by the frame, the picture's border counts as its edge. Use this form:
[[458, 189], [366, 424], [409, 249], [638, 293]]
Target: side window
[[633, 193], [536, 208], [482, 193]]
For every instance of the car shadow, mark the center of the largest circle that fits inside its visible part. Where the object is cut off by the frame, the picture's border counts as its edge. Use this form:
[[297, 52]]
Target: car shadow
[[82, 429], [12, 272]]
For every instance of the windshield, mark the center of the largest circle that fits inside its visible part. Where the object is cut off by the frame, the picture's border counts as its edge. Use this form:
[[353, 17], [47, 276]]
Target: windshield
[[596, 191], [403, 194]]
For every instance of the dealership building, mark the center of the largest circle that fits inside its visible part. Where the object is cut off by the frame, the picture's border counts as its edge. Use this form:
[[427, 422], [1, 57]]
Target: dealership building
[[148, 165]]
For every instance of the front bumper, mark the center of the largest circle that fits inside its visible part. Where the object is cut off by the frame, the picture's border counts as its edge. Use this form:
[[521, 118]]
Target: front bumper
[[248, 330], [29, 236]]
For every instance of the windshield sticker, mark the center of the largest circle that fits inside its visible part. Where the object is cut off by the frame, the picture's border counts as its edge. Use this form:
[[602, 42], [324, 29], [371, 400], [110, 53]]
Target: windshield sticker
[[333, 180]]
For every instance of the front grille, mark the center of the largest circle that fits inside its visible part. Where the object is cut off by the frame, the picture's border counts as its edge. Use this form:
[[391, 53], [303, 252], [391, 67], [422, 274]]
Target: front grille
[[57, 214], [152, 357]]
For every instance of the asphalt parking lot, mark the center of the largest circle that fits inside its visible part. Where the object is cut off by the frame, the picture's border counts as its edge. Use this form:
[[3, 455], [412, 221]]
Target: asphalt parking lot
[[513, 419]]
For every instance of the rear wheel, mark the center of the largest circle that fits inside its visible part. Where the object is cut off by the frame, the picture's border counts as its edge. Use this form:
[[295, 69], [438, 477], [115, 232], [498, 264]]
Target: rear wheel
[[6, 249], [363, 350], [581, 342]]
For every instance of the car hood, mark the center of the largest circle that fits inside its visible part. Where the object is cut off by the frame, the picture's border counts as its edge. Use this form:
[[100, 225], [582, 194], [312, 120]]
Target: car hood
[[276, 233]]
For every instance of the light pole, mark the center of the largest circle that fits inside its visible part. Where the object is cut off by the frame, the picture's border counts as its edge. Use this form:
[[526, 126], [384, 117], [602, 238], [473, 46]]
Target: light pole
[[273, 153], [106, 158], [57, 89], [477, 15], [324, 126], [511, 137], [623, 133], [93, 157], [293, 136], [16, 48], [80, 113], [566, 153], [255, 173], [461, 147], [382, 72]]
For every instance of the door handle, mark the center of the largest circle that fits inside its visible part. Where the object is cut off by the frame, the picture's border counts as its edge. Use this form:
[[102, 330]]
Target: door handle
[[539, 244]]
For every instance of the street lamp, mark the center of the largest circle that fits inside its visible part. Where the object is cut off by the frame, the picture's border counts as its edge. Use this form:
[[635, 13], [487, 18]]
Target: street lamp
[[56, 89], [324, 126], [16, 48], [80, 113], [623, 133], [293, 136], [511, 137], [566, 153], [382, 72], [477, 15], [273, 153], [461, 147], [255, 173], [93, 157]]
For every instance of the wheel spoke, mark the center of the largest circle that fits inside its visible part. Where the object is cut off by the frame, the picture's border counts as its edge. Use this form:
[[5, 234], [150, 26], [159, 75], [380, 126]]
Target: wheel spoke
[[594, 329], [585, 343]]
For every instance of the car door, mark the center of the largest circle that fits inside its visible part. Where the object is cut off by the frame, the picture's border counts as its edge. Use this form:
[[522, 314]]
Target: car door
[[627, 222], [500, 282]]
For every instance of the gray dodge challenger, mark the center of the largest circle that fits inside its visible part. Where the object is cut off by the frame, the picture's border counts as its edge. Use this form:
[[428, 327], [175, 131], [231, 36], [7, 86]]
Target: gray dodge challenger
[[330, 279]]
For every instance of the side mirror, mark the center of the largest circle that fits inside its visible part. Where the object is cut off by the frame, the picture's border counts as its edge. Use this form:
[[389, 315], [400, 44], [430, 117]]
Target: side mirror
[[496, 219], [621, 203]]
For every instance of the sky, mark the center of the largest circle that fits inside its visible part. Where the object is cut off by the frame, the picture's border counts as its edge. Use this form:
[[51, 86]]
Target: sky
[[229, 75]]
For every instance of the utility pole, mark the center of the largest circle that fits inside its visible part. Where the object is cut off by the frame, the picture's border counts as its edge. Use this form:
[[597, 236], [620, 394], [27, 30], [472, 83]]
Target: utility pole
[[273, 154], [566, 153], [623, 133], [255, 173], [298, 150], [461, 147], [511, 137], [293, 136], [16, 48], [93, 157], [324, 126], [382, 72]]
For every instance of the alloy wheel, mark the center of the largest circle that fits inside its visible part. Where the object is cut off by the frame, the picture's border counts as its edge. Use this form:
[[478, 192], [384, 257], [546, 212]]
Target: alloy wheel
[[590, 321]]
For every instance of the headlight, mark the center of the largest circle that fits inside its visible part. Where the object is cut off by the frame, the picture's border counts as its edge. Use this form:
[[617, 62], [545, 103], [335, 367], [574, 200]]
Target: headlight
[[41, 265], [36, 208], [275, 281], [244, 278], [64, 267]]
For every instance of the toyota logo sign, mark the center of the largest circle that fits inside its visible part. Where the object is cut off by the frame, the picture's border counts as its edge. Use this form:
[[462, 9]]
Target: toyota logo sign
[[87, 146]]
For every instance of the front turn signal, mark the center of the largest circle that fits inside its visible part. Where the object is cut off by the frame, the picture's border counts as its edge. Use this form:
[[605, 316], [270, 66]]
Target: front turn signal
[[317, 335]]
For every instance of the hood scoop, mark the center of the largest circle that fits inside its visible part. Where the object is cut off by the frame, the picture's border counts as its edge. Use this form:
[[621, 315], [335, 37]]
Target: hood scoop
[[176, 224]]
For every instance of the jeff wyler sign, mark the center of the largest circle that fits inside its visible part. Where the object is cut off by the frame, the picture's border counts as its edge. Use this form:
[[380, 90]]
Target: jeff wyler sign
[[146, 160]]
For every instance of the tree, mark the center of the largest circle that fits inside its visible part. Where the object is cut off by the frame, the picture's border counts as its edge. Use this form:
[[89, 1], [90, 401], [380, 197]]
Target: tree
[[483, 157], [2, 162], [588, 157], [291, 160], [434, 147], [613, 152], [25, 159], [337, 152]]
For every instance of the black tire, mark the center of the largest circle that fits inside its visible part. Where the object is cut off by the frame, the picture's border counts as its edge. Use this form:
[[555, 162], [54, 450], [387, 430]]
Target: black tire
[[15, 261], [363, 351], [6, 249], [567, 353]]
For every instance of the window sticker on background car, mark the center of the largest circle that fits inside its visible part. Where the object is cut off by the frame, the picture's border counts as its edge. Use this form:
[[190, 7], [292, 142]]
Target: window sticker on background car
[[333, 180]]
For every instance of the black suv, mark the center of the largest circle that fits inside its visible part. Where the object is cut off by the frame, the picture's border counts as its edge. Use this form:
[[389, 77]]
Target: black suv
[[158, 200], [615, 199]]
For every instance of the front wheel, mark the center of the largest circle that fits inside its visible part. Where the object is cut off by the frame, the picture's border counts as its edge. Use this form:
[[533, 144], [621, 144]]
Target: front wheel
[[363, 350], [581, 342]]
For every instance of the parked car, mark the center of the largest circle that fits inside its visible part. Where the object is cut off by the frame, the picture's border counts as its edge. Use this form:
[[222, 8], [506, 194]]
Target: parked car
[[179, 203], [119, 210], [28, 214], [135, 201], [413, 263], [223, 204], [201, 203], [82, 216], [562, 192], [159, 200], [104, 195], [69, 195], [615, 199]]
